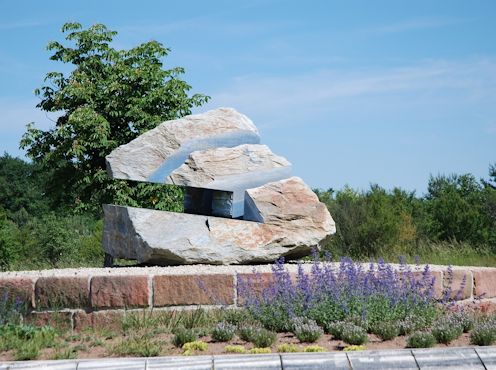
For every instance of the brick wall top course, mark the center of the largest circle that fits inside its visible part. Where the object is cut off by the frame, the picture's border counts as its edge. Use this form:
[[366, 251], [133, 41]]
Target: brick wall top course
[[189, 270]]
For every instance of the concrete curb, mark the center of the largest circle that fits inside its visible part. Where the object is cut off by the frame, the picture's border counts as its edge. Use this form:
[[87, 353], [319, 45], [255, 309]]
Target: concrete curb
[[436, 358]]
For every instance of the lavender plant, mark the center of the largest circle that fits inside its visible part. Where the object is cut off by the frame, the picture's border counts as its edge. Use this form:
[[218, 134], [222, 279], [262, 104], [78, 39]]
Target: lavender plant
[[353, 334], [386, 330], [484, 333], [11, 309], [465, 319], [420, 340], [223, 332], [447, 329], [306, 330], [336, 328], [329, 293]]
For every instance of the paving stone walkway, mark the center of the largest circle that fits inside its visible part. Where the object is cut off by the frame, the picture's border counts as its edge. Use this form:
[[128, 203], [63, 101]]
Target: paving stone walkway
[[447, 358]]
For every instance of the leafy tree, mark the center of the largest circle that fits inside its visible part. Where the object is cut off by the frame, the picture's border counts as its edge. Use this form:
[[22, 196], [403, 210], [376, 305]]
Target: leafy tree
[[21, 189], [457, 205], [110, 97]]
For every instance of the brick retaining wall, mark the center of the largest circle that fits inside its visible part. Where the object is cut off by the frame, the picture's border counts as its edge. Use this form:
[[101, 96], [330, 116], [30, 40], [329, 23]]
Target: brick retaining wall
[[76, 298]]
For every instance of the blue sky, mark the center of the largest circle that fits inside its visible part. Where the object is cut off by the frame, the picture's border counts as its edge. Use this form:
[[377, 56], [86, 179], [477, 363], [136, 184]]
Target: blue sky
[[351, 92]]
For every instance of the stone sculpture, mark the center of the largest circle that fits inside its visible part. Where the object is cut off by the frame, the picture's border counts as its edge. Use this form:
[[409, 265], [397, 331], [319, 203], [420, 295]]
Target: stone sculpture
[[241, 203]]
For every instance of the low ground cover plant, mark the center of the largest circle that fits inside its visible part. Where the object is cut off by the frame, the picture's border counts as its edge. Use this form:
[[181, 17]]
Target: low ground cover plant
[[484, 333], [306, 330], [447, 329], [224, 332], [421, 340]]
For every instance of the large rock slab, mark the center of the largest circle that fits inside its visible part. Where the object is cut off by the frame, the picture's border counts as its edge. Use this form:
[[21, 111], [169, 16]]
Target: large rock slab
[[231, 169], [155, 154], [167, 238], [293, 206]]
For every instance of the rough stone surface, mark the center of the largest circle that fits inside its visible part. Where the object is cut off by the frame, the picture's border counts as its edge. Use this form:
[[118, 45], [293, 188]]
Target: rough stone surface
[[60, 319], [63, 292], [291, 205], [17, 289], [221, 168], [231, 169], [98, 320], [119, 291], [484, 283], [191, 289], [460, 282], [294, 222], [156, 153]]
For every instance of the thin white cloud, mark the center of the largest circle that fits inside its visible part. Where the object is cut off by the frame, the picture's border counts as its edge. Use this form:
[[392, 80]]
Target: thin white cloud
[[474, 80], [20, 24], [415, 24]]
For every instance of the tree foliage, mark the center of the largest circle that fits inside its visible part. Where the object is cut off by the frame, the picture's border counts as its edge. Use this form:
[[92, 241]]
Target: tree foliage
[[456, 208], [109, 98]]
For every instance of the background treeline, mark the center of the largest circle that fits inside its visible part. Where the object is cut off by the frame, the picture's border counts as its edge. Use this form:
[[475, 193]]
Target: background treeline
[[455, 222]]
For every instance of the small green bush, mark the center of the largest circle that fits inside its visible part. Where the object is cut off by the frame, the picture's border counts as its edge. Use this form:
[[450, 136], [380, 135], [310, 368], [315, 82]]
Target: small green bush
[[465, 319], [412, 323], [223, 332], [197, 345], [421, 340], [234, 349], [183, 336], [314, 348], [256, 351], [263, 338], [483, 334], [287, 347], [386, 330], [306, 330], [246, 332], [353, 334], [446, 329], [336, 328]]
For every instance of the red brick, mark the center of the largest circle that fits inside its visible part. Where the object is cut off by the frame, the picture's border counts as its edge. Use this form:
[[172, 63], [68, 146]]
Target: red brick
[[458, 278], [255, 283], [485, 283], [17, 289], [108, 319], [61, 320], [119, 291], [173, 290], [62, 292]]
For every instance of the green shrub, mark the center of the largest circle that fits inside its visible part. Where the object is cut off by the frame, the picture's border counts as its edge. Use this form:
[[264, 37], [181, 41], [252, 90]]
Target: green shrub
[[465, 319], [336, 329], [353, 334], [246, 332], [197, 345], [223, 332], [483, 334], [421, 340], [412, 323], [446, 329], [306, 330], [386, 330], [263, 338], [183, 336]]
